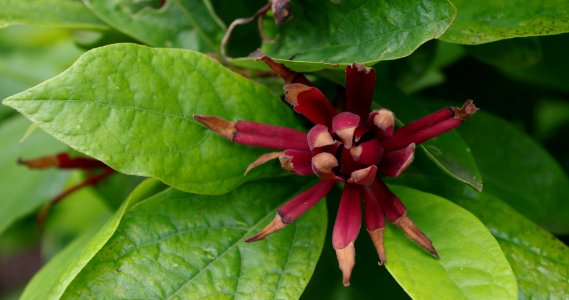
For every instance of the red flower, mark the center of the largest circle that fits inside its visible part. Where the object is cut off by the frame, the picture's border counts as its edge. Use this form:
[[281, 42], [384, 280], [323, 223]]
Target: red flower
[[353, 147]]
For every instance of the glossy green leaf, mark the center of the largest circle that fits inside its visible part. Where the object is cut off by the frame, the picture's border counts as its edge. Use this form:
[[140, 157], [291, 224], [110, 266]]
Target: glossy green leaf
[[188, 24], [24, 190], [471, 264], [131, 107], [539, 260], [54, 278], [177, 245], [448, 151], [512, 53], [519, 171], [56, 13], [324, 33], [485, 21]]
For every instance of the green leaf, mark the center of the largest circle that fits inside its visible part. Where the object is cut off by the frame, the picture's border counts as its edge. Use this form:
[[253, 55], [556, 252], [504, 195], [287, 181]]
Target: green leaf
[[24, 190], [471, 264], [485, 21], [55, 13], [131, 107], [188, 24], [187, 246], [517, 170], [539, 260], [54, 278], [448, 151], [322, 34], [512, 53]]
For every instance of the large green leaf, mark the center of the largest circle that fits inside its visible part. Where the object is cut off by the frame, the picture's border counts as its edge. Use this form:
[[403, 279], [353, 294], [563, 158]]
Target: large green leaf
[[54, 278], [187, 246], [485, 21], [513, 54], [56, 13], [471, 264], [324, 33], [539, 260], [448, 151], [131, 107], [188, 24], [24, 190], [519, 171]]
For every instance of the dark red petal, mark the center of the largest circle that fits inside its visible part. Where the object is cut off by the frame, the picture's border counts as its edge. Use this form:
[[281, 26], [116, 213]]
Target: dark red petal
[[285, 73], [346, 229], [269, 142], [395, 162], [344, 125], [318, 136], [430, 126], [262, 159], [392, 207], [299, 162], [256, 134], [359, 89], [367, 153], [347, 163], [398, 141], [383, 122], [62, 161], [310, 102], [364, 176], [323, 165], [293, 209], [375, 222]]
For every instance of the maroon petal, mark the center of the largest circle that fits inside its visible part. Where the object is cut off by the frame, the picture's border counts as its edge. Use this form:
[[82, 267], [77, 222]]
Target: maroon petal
[[374, 222], [344, 125], [295, 208], [346, 229], [364, 176], [299, 162], [323, 165], [383, 122], [359, 89], [392, 207], [347, 163], [396, 213], [62, 161], [256, 134], [395, 162], [430, 126], [310, 102], [318, 136], [285, 73], [262, 159], [367, 153]]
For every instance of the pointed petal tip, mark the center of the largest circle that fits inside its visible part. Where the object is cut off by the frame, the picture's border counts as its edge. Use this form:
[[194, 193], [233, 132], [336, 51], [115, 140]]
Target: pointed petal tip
[[346, 261], [377, 239], [466, 111], [43, 162], [292, 90], [220, 126], [262, 159], [275, 225], [414, 233]]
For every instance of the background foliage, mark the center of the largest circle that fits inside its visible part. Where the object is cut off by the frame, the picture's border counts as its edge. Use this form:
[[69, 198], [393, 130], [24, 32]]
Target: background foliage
[[120, 80]]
